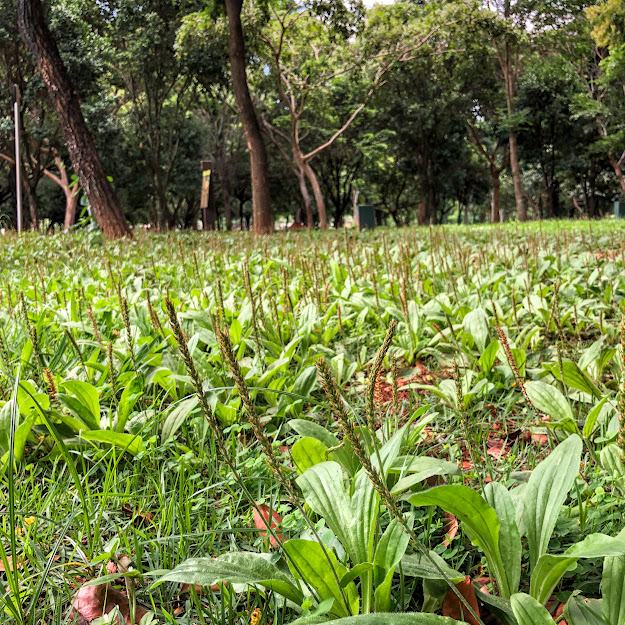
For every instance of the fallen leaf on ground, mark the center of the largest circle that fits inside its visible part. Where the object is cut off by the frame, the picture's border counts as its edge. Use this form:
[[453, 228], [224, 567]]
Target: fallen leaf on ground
[[10, 559], [139, 519], [496, 448], [452, 606], [450, 525], [261, 523], [92, 602]]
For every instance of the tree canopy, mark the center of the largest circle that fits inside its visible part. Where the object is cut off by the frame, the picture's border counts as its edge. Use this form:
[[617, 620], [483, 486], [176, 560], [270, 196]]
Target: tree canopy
[[431, 111]]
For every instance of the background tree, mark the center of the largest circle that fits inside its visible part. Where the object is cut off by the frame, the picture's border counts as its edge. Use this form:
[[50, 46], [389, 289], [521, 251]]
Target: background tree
[[79, 141]]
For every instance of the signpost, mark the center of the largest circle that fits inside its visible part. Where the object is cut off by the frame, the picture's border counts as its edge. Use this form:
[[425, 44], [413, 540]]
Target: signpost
[[18, 182], [207, 199]]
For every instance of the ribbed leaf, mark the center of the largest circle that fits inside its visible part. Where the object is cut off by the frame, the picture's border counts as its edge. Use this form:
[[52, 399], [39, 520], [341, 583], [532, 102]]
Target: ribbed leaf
[[324, 491], [382, 619], [432, 567], [177, 416], [131, 443], [546, 491], [476, 324], [389, 552], [550, 568], [307, 452], [580, 611], [528, 611], [238, 567], [548, 399], [613, 588], [321, 571], [498, 497], [479, 522]]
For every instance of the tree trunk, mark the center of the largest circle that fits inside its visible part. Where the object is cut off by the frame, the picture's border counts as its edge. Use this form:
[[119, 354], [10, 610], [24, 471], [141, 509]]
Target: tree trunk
[[261, 202], [495, 172], [301, 176], [321, 207], [71, 204], [228, 212], [31, 196], [80, 144], [616, 165], [423, 216], [521, 210]]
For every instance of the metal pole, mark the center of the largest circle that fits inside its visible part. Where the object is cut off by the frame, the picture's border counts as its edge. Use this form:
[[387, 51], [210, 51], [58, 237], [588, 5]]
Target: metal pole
[[18, 182]]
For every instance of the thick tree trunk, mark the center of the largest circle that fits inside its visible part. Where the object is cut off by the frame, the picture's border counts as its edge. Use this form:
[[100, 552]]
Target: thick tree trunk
[[80, 144], [319, 201], [261, 202], [521, 210]]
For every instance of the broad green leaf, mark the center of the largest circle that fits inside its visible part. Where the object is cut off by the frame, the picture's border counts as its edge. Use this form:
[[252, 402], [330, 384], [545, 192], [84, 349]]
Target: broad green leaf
[[501, 608], [355, 572], [476, 324], [306, 381], [21, 436], [431, 566], [238, 567], [498, 497], [389, 552], [87, 395], [419, 469], [366, 500], [382, 619], [550, 568], [236, 332], [613, 588], [307, 452], [590, 354], [580, 611], [548, 399], [272, 369], [129, 398], [227, 415], [323, 572], [546, 491], [479, 522], [575, 378], [310, 428], [79, 410], [177, 416], [323, 486], [344, 455], [528, 611], [489, 356], [592, 417], [131, 443], [613, 465], [5, 426]]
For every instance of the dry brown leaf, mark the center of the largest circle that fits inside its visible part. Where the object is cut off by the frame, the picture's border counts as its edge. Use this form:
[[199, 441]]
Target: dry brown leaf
[[11, 568], [452, 606], [261, 522], [92, 602], [451, 528]]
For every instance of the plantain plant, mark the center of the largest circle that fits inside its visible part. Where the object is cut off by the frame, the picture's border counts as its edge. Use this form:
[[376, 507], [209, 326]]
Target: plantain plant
[[497, 519], [349, 505]]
